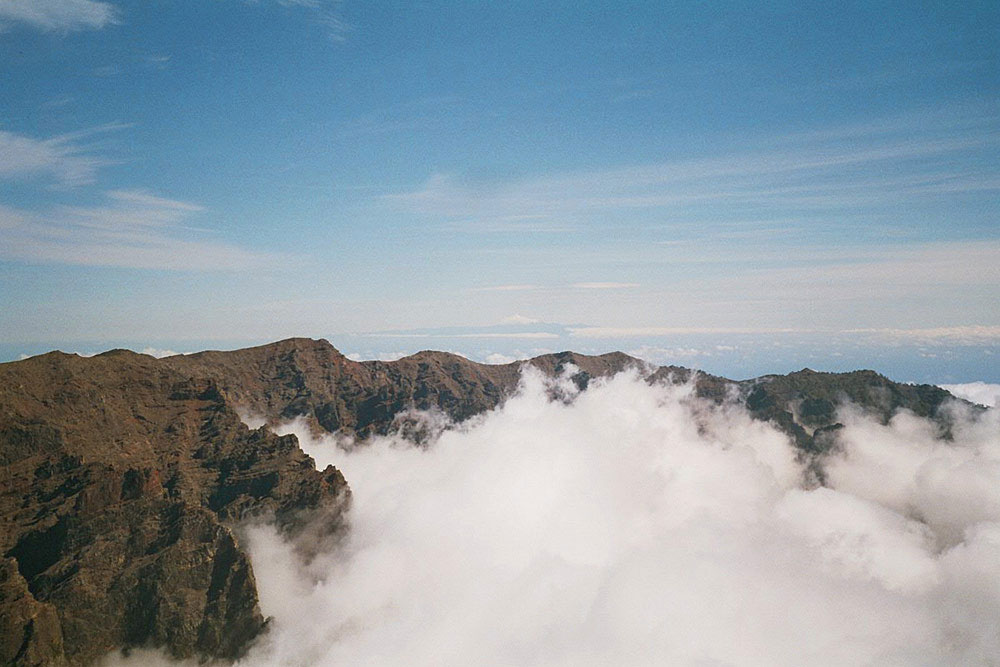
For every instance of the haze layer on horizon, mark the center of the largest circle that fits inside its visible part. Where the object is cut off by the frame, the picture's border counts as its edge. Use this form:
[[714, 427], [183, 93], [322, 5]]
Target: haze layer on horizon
[[668, 179]]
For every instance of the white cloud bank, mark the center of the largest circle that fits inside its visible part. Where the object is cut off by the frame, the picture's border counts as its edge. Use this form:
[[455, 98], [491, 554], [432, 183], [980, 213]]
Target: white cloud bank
[[982, 393], [58, 15], [636, 525]]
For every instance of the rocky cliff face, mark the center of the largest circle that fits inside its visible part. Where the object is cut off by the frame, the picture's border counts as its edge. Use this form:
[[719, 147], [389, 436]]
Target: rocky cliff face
[[123, 476], [122, 480]]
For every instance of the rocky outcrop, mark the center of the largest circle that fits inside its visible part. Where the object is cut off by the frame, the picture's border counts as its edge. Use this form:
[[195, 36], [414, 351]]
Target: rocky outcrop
[[122, 477], [30, 632], [122, 481], [804, 404]]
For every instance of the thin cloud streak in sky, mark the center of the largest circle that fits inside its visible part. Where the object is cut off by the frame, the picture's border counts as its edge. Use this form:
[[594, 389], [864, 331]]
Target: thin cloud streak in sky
[[63, 158], [961, 335], [810, 175], [608, 285], [58, 15], [74, 15], [134, 229], [327, 14], [507, 288], [955, 263], [527, 287], [484, 334], [634, 332]]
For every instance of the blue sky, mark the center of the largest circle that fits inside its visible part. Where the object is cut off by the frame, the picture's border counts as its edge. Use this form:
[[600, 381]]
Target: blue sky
[[221, 170]]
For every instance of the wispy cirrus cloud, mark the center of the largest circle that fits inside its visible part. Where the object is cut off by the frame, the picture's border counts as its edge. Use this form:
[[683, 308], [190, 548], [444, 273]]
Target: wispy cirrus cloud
[[523, 287], [653, 331], [953, 335], [480, 334], [530, 287], [132, 229], [834, 171], [896, 271], [58, 15], [899, 285], [606, 285], [327, 13], [68, 159], [517, 318]]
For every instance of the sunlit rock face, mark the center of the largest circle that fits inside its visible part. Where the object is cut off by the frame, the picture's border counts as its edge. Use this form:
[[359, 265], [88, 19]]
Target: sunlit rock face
[[128, 481], [122, 482]]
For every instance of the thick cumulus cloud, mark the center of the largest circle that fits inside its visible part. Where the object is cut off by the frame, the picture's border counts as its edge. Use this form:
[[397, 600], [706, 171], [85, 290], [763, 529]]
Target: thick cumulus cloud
[[638, 525]]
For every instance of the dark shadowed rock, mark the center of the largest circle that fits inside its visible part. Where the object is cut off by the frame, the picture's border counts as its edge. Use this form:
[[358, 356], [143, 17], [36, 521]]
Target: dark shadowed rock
[[30, 632]]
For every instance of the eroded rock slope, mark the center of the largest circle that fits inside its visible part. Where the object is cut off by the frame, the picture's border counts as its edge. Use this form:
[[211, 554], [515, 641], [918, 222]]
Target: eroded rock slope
[[121, 481]]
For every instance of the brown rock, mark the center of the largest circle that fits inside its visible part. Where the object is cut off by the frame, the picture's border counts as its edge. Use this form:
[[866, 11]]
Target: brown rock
[[121, 481]]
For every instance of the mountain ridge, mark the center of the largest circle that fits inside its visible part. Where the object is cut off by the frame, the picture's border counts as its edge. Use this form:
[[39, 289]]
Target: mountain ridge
[[146, 463]]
